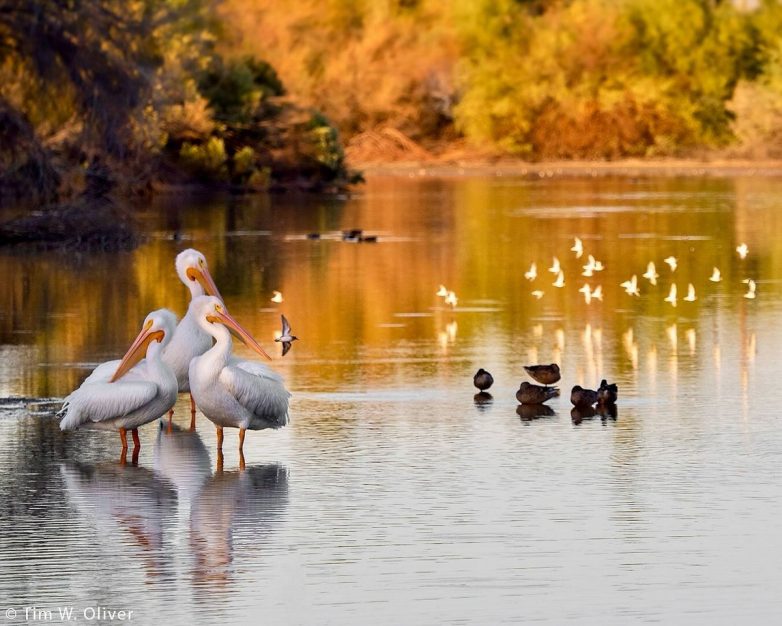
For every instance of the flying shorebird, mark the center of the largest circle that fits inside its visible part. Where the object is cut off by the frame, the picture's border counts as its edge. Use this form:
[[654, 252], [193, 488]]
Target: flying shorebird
[[442, 291], [671, 261], [286, 338], [742, 249], [751, 289], [578, 247], [560, 281], [690, 297], [597, 293], [587, 293], [538, 294], [451, 299], [715, 275], [532, 272], [277, 297], [631, 286], [651, 273], [672, 295], [555, 268]]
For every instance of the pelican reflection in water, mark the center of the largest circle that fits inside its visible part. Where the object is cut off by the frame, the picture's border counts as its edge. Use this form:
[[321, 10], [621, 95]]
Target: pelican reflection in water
[[234, 510], [180, 457], [128, 509]]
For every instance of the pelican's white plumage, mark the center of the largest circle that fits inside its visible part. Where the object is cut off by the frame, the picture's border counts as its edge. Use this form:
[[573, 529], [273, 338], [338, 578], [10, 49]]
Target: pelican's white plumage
[[131, 396], [232, 392]]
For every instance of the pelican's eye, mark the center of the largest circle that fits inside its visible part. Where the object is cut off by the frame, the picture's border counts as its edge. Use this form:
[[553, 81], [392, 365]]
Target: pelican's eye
[[218, 308], [201, 262]]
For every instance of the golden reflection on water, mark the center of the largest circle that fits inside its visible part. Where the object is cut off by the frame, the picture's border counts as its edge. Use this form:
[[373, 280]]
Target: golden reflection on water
[[352, 303]]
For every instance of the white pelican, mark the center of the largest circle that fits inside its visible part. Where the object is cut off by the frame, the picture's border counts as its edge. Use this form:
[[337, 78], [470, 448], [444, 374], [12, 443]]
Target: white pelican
[[716, 276], [229, 391], [188, 341], [532, 272], [131, 397], [743, 250]]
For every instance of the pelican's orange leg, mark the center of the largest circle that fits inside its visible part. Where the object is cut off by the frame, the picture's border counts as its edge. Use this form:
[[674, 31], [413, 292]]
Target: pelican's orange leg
[[241, 438], [136, 441], [219, 438], [123, 435], [192, 414], [241, 460], [219, 460]]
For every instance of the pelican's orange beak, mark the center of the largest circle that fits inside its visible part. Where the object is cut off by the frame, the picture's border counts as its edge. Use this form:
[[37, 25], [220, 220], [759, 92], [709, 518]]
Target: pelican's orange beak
[[204, 278], [221, 316], [138, 350]]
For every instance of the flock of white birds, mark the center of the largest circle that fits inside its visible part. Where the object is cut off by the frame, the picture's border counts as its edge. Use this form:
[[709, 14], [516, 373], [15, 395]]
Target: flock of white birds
[[630, 286]]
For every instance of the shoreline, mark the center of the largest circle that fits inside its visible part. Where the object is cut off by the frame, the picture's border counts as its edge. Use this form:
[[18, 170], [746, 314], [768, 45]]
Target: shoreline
[[629, 168]]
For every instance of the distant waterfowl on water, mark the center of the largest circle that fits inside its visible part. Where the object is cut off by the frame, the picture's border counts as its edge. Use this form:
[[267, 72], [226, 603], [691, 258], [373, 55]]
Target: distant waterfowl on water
[[581, 397], [544, 374], [607, 394], [751, 287], [535, 394], [483, 380]]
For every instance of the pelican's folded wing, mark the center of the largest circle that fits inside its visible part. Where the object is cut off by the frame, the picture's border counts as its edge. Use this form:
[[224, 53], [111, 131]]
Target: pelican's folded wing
[[100, 401], [257, 388]]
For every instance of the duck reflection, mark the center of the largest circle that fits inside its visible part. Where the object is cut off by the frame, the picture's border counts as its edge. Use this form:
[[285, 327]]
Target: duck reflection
[[607, 412], [483, 400], [127, 505], [242, 505], [580, 413], [181, 457], [529, 412]]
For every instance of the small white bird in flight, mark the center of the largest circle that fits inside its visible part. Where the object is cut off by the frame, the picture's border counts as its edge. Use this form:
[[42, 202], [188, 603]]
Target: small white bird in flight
[[587, 293], [671, 261], [750, 290], [560, 281], [651, 273], [597, 293], [743, 250], [451, 299], [538, 294], [578, 247], [532, 272], [555, 268], [690, 297], [442, 291], [276, 297], [631, 286], [716, 276], [286, 337], [672, 296]]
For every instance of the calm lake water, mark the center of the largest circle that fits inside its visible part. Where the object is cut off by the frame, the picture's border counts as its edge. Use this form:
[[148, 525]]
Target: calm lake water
[[396, 497]]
